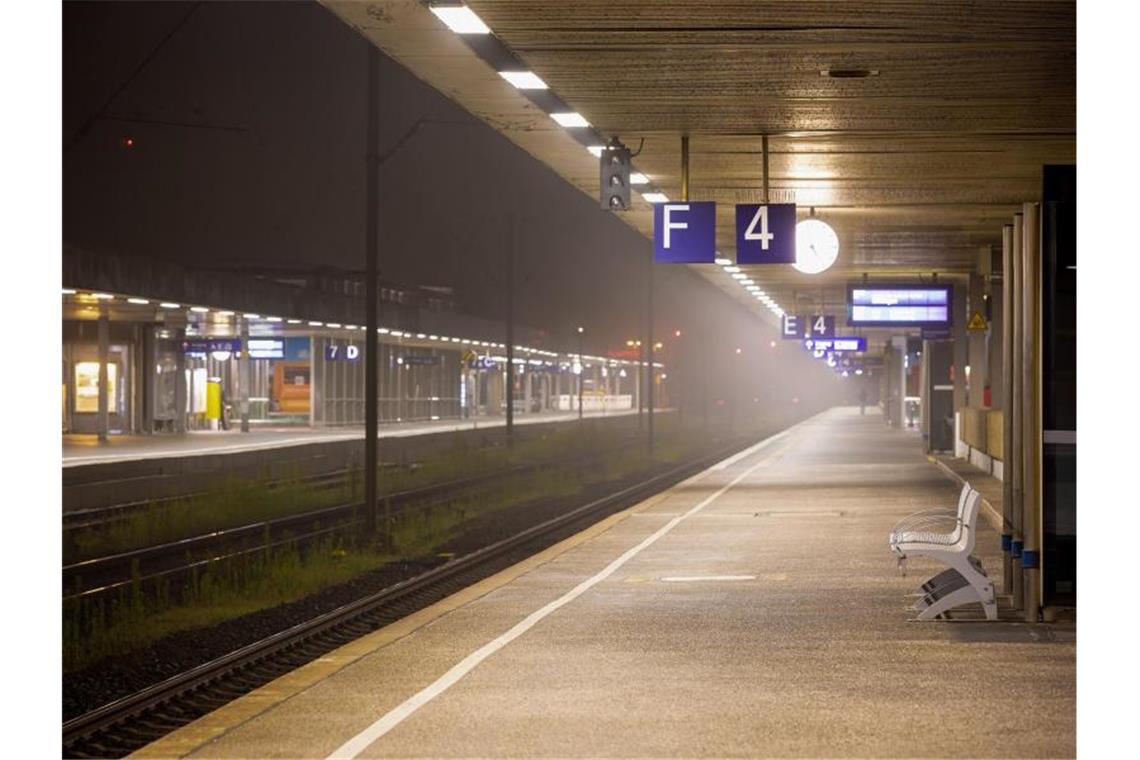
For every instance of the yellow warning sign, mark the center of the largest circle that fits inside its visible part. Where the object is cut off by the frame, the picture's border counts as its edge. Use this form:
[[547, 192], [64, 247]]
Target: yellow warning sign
[[977, 322]]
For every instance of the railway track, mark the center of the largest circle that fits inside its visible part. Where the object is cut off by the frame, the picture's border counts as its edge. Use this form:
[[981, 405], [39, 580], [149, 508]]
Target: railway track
[[125, 725], [168, 562]]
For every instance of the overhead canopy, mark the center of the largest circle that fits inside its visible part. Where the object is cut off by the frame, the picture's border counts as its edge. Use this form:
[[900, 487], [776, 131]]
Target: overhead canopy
[[914, 129]]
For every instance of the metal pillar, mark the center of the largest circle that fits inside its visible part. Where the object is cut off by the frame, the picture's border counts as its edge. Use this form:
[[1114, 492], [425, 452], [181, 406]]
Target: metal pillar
[[243, 376], [1007, 395], [581, 374], [1015, 457], [961, 348], [102, 416], [371, 286], [513, 232], [1031, 408]]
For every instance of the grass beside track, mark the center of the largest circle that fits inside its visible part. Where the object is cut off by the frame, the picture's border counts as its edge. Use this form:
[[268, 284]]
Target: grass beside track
[[94, 630], [241, 502]]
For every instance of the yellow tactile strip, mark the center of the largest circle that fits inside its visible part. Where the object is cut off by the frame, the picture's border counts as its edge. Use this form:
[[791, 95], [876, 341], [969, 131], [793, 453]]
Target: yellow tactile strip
[[194, 735]]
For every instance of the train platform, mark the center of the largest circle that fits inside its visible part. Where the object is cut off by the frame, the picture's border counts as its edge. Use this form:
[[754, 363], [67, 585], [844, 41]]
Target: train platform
[[84, 449], [752, 610]]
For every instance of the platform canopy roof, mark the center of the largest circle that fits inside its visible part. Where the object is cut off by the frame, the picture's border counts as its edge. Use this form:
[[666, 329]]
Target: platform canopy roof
[[916, 129]]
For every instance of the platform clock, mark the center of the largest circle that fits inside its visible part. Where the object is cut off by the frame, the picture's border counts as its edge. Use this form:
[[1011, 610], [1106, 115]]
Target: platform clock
[[817, 246]]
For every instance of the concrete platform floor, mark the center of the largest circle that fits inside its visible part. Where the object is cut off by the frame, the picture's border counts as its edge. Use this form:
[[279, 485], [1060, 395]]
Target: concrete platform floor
[[82, 449], [752, 611]]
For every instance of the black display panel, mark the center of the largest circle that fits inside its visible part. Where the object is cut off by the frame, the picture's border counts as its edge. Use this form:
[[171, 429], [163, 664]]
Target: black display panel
[[899, 305]]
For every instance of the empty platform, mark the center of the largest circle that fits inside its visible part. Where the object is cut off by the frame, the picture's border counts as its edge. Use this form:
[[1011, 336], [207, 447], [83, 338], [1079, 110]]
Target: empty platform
[[753, 610]]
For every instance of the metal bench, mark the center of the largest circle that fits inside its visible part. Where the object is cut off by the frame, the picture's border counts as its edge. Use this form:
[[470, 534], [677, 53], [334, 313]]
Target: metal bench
[[947, 536]]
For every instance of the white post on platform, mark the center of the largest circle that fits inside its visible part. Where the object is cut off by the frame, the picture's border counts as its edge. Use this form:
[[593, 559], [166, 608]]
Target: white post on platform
[[243, 376]]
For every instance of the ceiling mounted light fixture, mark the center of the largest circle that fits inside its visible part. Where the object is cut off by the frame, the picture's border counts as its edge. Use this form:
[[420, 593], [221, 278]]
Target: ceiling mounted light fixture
[[524, 80], [460, 19], [570, 119]]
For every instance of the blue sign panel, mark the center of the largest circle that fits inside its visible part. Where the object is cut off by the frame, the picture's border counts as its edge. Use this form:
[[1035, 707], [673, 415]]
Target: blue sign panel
[[684, 232], [297, 348], [792, 327], [838, 345], [266, 348], [334, 352], [209, 345], [821, 326], [766, 234]]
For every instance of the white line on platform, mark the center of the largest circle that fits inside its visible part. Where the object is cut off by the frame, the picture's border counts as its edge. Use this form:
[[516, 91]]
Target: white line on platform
[[357, 744], [698, 578]]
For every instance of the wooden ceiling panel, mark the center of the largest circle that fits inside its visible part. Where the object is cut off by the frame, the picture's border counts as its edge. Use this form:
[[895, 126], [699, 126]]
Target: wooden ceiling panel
[[917, 167]]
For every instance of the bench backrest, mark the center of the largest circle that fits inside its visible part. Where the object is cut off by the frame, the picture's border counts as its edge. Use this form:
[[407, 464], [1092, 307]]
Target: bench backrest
[[969, 518]]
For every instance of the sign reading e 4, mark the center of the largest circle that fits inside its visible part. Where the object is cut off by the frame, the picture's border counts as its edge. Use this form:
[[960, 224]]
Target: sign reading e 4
[[821, 326], [766, 234], [684, 233]]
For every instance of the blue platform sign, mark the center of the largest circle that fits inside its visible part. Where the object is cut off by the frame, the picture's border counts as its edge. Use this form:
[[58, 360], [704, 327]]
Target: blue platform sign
[[821, 326], [792, 327], [684, 232], [853, 343], [766, 234], [335, 352]]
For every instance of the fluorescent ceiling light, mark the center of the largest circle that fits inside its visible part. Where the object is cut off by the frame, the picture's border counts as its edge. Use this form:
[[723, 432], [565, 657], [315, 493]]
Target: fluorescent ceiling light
[[71, 292], [595, 150], [252, 316], [738, 276], [723, 262], [637, 178], [199, 309], [460, 19], [746, 281], [571, 119], [139, 301], [293, 321], [524, 80], [316, 324], [103, 296], [223, 313], [753, 288], [274, 319], [168, 305], [334, 325], [731, 269], [655, 197]]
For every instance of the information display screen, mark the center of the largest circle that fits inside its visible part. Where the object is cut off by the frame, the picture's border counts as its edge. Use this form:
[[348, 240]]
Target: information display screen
[[901, 305]]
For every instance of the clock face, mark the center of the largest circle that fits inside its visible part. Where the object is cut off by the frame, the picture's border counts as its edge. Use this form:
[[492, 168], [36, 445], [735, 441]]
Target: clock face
[[817, 246]]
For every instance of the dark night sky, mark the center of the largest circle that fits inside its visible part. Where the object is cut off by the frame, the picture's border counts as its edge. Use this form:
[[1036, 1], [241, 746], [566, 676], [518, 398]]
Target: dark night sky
[[259, 160]]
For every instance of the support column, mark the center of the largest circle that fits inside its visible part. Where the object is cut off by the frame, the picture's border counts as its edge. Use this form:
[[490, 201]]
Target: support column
[[179, 381], [102, 415], [1016, 461], [243, 376], [1007, 396], [1031, 408], [371, 286]]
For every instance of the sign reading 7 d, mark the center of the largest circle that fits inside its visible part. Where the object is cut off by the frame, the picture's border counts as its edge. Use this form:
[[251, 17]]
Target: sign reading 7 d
[[766, 234], [684, 232]]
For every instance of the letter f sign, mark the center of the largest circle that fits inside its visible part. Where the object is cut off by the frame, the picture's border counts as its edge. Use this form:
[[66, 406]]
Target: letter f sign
[[684, 232], [670, 225]]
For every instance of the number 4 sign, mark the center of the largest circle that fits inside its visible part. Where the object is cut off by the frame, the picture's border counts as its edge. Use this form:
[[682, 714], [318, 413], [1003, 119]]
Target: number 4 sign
[[766, 234], [821, 326]]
